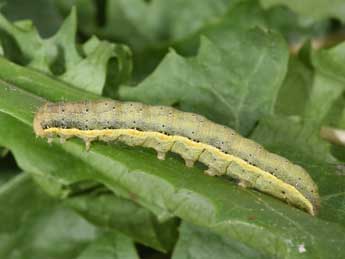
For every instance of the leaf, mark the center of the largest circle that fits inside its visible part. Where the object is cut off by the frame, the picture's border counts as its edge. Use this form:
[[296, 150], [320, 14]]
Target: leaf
[[167, 187], [311, 9], [47, 19], [297, 86], [166, 21], [34, 226], [110, 246], [329, 80], [58, 55], [287, 22], [95, 66], [151, 232], [341, 120], [106, 210], [192, 242], [318, 106], [6, 174], [299, 140], [294, 140], [48, 223], [225, 30], [218, 82], [3, 152]]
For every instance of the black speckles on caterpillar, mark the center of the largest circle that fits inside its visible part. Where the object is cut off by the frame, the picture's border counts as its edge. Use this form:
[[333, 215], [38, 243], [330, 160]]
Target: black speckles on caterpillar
[[191, 136]]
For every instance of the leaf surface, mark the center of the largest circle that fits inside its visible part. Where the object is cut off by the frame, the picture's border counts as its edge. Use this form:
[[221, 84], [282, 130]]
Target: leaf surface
[[311, 9], [218, 82]]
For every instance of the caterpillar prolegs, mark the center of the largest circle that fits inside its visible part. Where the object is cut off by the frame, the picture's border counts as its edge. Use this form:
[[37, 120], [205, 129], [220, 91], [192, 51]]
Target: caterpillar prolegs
[[192, 136]]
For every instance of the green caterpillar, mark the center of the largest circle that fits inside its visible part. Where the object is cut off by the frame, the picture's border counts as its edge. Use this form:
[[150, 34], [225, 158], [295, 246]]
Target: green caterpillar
[[192, 136]]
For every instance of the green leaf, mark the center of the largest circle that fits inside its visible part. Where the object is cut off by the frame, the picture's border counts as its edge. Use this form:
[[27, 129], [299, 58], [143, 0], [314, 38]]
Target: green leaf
[[192, 242], [330, 60], [87, 13], [336, 115], [297, 87], [298, 139], [99, 54], [167, 187], [312, 9], [34, 226], [225, 30], [218, 82], [287, 22], [110, 246], [47, 19], [318, 106], [151, 232], [294, 140], [58, 55], [106, 210], [329, 81], [6, 172], [3, 152], [166, 21], [341, 119]]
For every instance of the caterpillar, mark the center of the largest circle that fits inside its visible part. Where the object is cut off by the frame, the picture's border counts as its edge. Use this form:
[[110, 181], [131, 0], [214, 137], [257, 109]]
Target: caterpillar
[[190, 135]]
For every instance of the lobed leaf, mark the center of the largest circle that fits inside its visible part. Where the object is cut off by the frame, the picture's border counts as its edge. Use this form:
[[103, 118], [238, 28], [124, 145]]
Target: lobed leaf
[[60, 56], [218, 82]]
